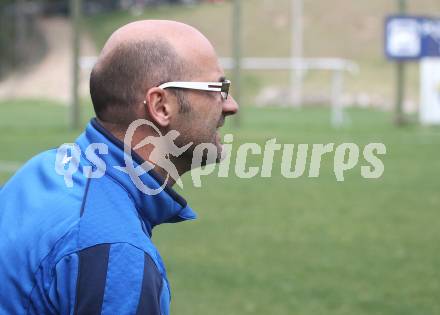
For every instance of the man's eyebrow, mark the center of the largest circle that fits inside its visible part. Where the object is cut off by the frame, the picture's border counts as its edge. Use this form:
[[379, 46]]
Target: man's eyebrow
[[222, 79]]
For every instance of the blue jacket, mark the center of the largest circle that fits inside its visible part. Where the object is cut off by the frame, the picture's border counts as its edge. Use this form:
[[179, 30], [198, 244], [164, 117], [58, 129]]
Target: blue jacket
[[85, 249]]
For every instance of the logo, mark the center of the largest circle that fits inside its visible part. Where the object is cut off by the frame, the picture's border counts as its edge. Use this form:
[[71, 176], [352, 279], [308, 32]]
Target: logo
[[295, 159], [164, 148]]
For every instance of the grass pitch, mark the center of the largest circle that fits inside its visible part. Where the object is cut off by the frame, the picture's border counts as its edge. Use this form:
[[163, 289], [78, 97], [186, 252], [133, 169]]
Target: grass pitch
[[292, 246]]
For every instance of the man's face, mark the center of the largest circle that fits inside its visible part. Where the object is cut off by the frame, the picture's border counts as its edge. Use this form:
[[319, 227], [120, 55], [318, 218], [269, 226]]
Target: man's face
[[207, 110]]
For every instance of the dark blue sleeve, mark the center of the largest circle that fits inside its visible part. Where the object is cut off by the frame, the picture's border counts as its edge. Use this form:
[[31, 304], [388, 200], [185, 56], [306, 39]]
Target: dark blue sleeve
[[109, 279]]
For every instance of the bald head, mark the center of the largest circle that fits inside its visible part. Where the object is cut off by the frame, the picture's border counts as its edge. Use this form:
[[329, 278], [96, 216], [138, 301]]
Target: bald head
[[184, 38], [139, 56]]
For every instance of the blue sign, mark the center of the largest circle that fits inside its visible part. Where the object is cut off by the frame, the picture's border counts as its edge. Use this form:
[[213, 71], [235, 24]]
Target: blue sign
[[411, 37], [431, 37]]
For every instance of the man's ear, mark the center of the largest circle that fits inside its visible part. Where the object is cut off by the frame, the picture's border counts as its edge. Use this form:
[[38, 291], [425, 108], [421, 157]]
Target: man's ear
[[158, 106]]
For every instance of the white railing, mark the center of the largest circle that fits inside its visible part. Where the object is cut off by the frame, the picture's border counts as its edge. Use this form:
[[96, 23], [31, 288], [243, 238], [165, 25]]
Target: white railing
[[336, 65]]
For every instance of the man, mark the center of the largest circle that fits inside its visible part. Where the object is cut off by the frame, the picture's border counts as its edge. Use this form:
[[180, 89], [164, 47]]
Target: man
[[83, 246]]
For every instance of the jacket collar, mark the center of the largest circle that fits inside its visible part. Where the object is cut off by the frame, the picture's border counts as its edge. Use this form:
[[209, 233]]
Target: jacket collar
[[165, 207]]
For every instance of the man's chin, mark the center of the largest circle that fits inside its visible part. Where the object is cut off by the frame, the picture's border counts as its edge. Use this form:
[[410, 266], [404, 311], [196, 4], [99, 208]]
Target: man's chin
[[214, 142], [219, 146], [218, 158]]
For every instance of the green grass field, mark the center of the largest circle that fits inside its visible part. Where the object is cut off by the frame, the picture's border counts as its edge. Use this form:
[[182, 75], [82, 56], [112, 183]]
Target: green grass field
[[292, 246]]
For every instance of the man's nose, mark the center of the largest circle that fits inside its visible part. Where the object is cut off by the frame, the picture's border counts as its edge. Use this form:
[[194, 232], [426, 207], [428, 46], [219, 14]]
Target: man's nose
[[230, 106]]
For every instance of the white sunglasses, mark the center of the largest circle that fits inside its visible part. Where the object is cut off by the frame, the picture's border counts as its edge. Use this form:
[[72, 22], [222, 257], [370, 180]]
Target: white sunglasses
[[222, 87]]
